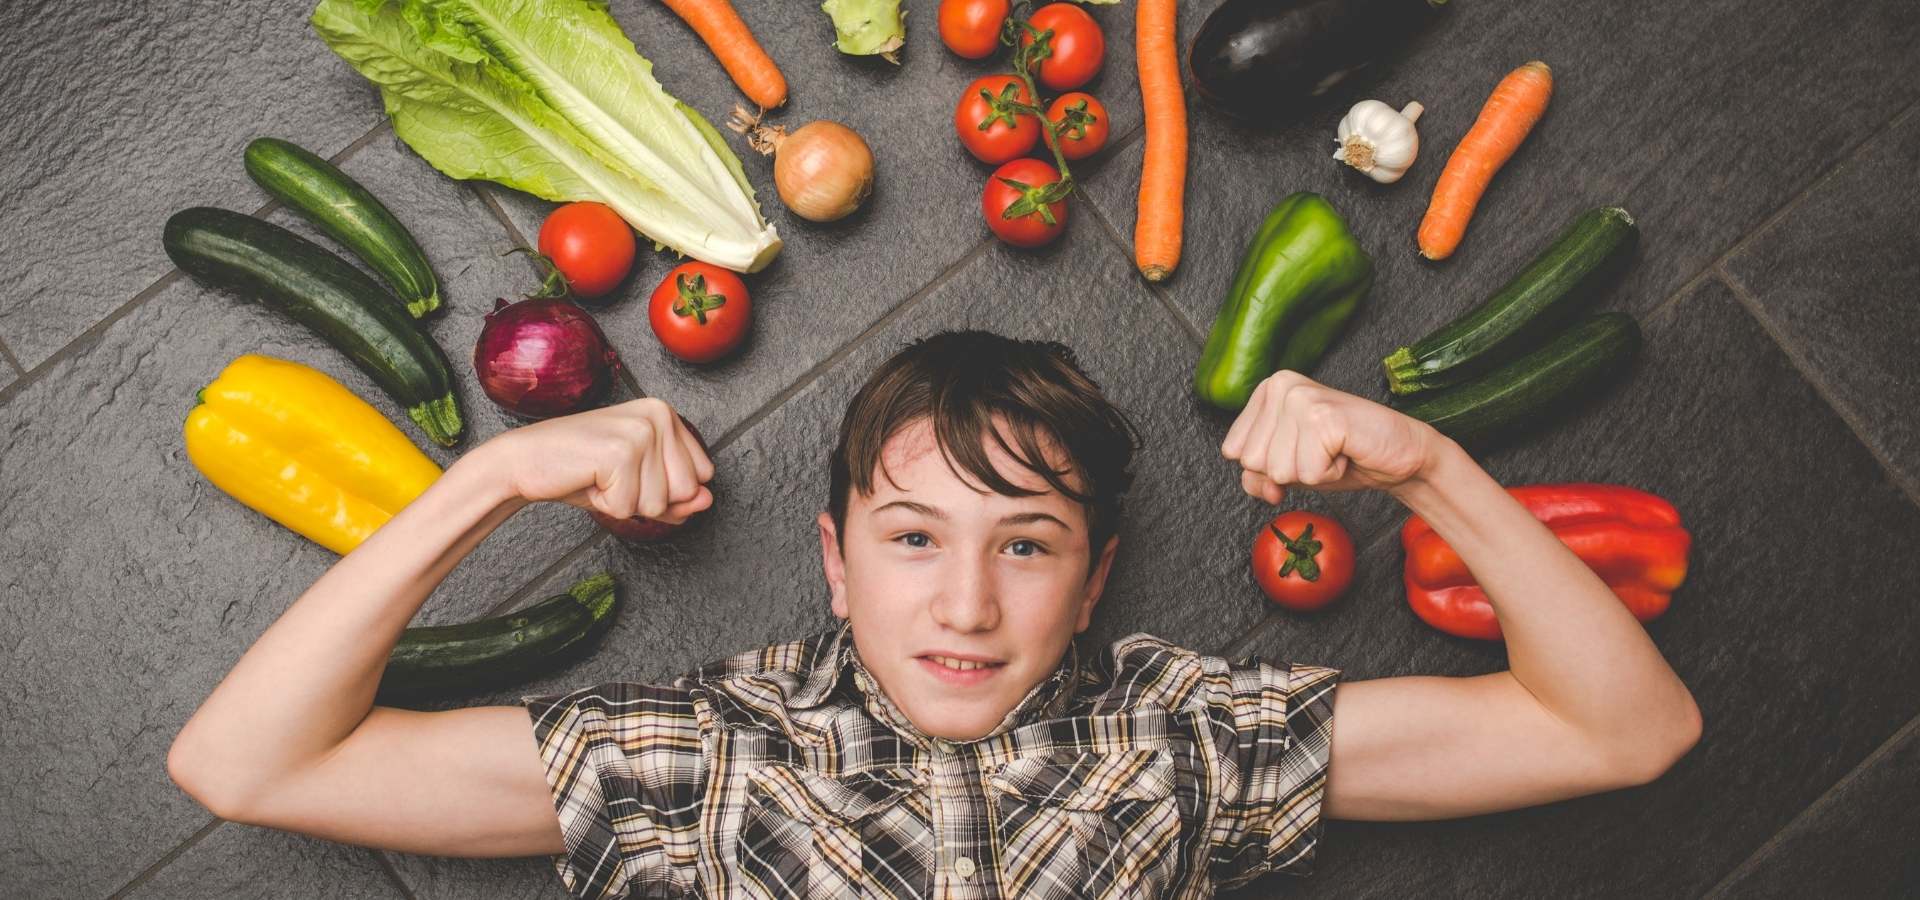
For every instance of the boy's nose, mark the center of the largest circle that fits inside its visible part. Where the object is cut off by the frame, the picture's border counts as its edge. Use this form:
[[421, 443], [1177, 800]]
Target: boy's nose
[[966, 603]]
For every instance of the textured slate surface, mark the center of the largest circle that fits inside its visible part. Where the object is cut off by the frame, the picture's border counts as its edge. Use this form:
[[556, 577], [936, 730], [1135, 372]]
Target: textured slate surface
[[133, 586], [1794, 672], [236, 861], [140, 584], [117, 116], [1835, 282], [1857, 841]]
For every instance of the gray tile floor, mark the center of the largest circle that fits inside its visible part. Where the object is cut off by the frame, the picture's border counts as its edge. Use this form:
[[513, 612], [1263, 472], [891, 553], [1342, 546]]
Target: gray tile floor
[[1771, 152]]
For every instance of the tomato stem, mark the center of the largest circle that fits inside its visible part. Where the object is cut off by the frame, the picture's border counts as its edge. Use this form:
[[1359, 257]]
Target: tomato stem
[[1024, 57], [1303, 553]]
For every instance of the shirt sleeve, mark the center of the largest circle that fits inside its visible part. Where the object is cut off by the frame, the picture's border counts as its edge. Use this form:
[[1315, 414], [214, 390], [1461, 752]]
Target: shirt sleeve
[[1273, 727], [628, 772]]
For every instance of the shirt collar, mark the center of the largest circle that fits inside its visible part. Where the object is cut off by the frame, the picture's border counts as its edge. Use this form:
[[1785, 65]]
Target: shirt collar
[[839, 663]]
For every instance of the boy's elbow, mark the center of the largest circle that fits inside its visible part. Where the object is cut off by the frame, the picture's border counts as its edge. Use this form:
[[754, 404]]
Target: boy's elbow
[[201, 779], [1663, 748]]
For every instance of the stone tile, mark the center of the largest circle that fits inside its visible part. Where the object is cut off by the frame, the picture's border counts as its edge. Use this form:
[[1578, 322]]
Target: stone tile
[[136, 585], [1834, 280], [1701, 118], [1857, 841], [1792, 697], [831, 281], [117, 116], [241, 861]]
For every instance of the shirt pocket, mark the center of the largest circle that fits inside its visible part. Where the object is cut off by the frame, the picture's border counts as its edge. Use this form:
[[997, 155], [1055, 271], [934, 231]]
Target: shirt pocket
[[806, 834], [1075, 823]]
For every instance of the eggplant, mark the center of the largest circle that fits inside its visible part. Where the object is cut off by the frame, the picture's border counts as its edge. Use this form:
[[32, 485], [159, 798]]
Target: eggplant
[[1257, 57]]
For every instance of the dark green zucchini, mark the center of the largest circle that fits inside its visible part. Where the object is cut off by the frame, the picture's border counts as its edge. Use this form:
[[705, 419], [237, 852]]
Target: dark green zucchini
[[336, 204], [438, 661], [262, 261], [1550, 291], [1539, 384]]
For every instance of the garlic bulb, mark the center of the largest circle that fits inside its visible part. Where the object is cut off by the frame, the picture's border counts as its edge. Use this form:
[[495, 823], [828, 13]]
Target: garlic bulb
[[1378, 141]]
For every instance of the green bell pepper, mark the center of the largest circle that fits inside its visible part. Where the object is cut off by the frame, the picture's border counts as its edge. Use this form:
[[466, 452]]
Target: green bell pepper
[[1301, 280]]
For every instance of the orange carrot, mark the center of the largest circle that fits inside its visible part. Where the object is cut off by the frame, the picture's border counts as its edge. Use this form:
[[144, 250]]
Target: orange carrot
[[1163, 172], [1516, 104], [750, 67]]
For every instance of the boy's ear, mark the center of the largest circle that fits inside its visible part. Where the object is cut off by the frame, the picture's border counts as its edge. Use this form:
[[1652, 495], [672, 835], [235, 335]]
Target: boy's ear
[[1096, 582], [834, 562]]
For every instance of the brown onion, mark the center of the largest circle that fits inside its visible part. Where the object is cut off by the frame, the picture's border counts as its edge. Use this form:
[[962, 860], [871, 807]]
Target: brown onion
[[823, 171]]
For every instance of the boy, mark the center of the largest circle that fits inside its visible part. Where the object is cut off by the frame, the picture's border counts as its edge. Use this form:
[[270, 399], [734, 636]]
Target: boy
[[950, 740]]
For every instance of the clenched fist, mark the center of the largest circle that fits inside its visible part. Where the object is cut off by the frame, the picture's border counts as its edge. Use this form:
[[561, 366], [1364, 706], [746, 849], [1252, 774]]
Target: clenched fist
[[1297, 431], [633, 459]]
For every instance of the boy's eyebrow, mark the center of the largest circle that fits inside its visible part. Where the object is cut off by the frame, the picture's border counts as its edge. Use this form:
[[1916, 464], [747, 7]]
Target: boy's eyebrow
[[1019, 518]]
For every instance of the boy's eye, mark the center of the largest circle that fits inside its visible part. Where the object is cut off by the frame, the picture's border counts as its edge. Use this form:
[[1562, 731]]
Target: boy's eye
[[1032, 549], [914, 539]]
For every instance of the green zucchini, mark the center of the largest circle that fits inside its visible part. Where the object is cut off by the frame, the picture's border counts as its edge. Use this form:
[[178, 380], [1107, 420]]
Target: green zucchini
[[262, 261], [348, 213], [439, 661], [1541, 383], [1550, 291]]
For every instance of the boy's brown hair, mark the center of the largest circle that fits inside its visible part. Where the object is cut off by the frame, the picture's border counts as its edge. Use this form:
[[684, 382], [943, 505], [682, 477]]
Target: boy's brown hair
[[962, 380]]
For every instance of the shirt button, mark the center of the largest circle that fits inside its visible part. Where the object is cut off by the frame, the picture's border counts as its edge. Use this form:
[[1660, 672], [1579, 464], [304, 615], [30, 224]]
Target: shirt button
[[963, 867], [943, 745]]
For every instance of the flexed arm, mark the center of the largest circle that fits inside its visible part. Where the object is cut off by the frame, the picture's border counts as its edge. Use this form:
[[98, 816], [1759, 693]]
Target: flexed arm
[[291, 738], [1589, 704]]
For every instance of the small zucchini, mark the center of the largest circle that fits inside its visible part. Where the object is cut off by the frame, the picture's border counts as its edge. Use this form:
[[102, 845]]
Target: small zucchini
[[336, 204], [1550, 291], [437, 661], [1538, 384], [262, 261]]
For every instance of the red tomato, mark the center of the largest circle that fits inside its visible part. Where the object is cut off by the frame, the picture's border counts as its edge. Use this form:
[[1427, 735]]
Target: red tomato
[[1078, 46], [1316, 554], [971, 28], [1088, 133], [590, 244], [1025, 229], [1010, 135], [700, 312]]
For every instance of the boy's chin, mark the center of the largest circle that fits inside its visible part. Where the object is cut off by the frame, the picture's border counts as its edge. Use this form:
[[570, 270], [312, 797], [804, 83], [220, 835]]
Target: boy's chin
[[955, 722]]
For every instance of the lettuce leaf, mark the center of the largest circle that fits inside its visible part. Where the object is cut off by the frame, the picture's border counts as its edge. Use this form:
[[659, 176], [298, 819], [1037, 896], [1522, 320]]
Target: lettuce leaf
[[867, 27], [550, 97]]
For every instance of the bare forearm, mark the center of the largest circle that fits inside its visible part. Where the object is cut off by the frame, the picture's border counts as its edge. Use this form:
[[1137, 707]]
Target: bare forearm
[[1570, 642], [310, 679]]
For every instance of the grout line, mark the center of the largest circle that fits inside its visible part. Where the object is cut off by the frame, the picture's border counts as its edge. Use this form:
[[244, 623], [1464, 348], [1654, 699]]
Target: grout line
[[820, 368], [566, 559], [386, 865], [1805, 367], [164, 861], [12, 360], [500, 215], [1774, 218], [86, 338], [1760, 854], [1158, 292]]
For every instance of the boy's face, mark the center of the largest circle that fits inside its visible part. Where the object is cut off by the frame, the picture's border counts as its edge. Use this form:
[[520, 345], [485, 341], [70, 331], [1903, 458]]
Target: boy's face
[[961, 599]]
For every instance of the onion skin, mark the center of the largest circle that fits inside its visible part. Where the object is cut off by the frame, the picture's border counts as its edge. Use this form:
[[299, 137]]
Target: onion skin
[[823, 171], [544, 357]]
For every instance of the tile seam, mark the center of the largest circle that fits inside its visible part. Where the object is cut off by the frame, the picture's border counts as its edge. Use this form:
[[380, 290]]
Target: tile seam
[[82, 340], [1158, 292], [820, 368], [385, 862], [1785, 209], [167, 859], [528, 587], [1766, 848], [1848, 415], [12, 360]]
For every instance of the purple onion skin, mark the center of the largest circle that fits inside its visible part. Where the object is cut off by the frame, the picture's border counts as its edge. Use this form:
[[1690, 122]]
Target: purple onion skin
[[544, 357]]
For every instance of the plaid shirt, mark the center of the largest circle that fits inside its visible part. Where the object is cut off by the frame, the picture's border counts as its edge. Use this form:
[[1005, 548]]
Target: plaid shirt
[[785, 772]]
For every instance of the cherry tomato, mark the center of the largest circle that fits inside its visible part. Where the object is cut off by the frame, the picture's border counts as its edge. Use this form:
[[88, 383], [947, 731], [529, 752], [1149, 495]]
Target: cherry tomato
[[1088, 133], [1030, 228], [700, 312], [1010, 135], [1078, 46], [590, 244], [1303, 560], [971, 28]]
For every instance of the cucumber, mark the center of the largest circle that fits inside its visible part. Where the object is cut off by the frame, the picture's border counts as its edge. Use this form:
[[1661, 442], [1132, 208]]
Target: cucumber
[[438, 661], [1538, 384], [348, 213], [1550, 291], [262, 261]]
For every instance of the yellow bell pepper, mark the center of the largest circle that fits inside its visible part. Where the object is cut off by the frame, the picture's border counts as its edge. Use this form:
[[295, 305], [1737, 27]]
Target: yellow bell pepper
[[298, 447]]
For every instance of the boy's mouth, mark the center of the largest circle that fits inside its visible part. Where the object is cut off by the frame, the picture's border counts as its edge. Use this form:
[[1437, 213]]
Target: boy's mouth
[[960, 670]]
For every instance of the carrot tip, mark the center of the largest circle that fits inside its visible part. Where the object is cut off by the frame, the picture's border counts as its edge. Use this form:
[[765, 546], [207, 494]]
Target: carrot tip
[[1155, 272], [1538, 64]]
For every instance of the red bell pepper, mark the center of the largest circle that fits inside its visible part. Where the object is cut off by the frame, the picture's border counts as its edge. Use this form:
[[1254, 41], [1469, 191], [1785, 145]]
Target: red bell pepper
[[1631, 539]]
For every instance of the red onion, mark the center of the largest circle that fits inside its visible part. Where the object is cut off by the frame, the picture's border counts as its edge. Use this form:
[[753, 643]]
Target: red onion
[[543, 357]]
